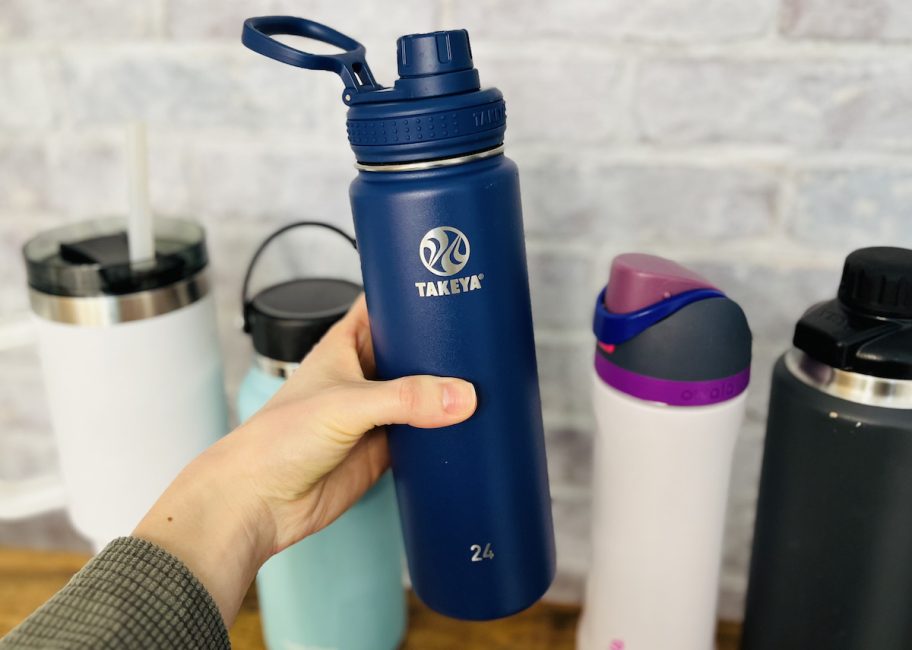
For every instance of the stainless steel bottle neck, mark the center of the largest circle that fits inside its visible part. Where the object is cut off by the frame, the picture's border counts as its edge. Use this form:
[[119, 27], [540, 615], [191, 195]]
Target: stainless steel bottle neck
[[850, 386], [424, 165], [274, 367], [105, 310]]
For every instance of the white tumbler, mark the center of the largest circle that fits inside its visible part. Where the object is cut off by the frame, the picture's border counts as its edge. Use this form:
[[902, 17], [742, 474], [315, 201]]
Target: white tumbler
[[672, 367], [130, 362]]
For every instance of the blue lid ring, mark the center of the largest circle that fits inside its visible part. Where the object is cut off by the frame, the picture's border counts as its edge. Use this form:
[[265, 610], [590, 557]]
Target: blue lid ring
[[615, 329]]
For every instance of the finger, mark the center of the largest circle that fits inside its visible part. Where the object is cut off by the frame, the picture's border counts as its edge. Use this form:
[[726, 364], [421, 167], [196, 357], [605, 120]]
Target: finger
[[347, 345], [335, 358], [365, 347], [421, 401], [356, 327], [354, 320]]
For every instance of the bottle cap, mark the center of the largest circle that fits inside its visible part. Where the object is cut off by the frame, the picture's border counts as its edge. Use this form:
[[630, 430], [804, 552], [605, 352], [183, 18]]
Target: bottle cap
[[437, 53], [867, 329], [436, 109], [638, 281], [878, 281], [286, 320], [666, 334]]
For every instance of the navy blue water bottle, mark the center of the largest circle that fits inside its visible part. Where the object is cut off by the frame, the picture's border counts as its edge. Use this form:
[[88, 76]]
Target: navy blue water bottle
[[439, 227]]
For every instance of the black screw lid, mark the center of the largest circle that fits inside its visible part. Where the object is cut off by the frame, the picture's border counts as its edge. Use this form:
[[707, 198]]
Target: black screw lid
[[878, 281], [868, 328], [286, 320]]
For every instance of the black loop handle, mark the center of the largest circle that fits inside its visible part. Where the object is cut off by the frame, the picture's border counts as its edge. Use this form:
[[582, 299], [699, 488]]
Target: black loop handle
[[245, 301]]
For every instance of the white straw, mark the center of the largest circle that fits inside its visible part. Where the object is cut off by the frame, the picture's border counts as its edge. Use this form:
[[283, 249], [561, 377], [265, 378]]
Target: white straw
[[140, 236]]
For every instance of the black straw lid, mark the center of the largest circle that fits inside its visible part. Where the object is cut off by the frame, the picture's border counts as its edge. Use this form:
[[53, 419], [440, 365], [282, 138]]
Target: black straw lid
[[92, 258], [286, 320]]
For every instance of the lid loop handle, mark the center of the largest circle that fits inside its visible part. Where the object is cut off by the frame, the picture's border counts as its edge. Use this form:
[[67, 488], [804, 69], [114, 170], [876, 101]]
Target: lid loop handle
[[350, 65], [245, 300]]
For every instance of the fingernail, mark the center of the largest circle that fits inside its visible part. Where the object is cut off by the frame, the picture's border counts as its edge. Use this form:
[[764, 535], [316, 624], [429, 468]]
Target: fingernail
[[458, 397]]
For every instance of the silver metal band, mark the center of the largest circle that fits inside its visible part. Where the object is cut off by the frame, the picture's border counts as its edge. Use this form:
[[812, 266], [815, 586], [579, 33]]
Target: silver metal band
[[99, 311], [274, 367], [431, 164], [851, 386]]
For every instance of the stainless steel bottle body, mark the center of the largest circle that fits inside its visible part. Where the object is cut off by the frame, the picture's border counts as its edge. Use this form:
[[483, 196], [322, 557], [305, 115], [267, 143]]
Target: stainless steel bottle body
[[444, 267], [832, 559]]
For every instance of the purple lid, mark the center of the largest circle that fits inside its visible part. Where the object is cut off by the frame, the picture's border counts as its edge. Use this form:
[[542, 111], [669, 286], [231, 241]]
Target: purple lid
[[639, 280], [667, 335]]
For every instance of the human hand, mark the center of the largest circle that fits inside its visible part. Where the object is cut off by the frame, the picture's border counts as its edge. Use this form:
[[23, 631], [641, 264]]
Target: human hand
[[299, 463]]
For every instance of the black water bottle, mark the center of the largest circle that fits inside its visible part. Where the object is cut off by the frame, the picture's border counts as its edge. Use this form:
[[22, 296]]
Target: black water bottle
[[832, 559]]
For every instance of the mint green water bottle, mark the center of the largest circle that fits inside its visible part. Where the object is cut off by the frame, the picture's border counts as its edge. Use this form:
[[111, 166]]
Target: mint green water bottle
[[340, 589]]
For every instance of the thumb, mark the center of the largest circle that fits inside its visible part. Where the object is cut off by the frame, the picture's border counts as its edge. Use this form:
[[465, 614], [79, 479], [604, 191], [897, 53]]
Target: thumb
[[421, 401]]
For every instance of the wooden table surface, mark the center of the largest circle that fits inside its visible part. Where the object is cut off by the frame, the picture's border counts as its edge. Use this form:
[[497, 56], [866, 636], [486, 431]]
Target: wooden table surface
[[28, 578]]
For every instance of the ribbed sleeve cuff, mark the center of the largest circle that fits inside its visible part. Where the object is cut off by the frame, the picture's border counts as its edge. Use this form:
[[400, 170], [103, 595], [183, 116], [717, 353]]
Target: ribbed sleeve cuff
[[131, 595]]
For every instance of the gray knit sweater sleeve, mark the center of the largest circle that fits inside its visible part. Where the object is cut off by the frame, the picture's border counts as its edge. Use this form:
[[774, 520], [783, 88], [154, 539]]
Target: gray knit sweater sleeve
[[132, 595]]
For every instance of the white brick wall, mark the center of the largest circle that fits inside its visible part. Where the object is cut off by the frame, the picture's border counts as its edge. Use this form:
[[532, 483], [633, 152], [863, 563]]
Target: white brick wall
[[887, 20], [757, 140]]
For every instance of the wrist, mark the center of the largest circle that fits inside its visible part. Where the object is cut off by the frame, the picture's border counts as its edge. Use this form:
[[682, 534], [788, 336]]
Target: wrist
[[216, 526]]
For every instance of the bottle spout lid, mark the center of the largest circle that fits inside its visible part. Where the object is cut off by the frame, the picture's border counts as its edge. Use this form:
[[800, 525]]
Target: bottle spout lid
[[435, 53], [430, 65], [435, 64], [666, 334], [639, 280], [435, 110]]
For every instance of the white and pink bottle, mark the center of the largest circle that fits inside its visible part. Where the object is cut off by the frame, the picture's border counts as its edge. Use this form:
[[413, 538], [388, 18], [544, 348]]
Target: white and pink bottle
[[672, 367]]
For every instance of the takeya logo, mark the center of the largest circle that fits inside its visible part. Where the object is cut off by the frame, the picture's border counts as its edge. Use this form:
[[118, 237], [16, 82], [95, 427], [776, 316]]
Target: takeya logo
[[449, 287], [445, 251]]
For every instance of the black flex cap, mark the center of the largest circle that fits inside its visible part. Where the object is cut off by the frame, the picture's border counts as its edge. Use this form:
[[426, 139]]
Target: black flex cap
[[868, 328], [878, 281], [286, 320], [92, 258]]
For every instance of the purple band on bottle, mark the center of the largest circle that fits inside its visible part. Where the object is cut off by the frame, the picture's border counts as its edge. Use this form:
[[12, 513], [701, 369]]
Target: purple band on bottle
[[671, 392]]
